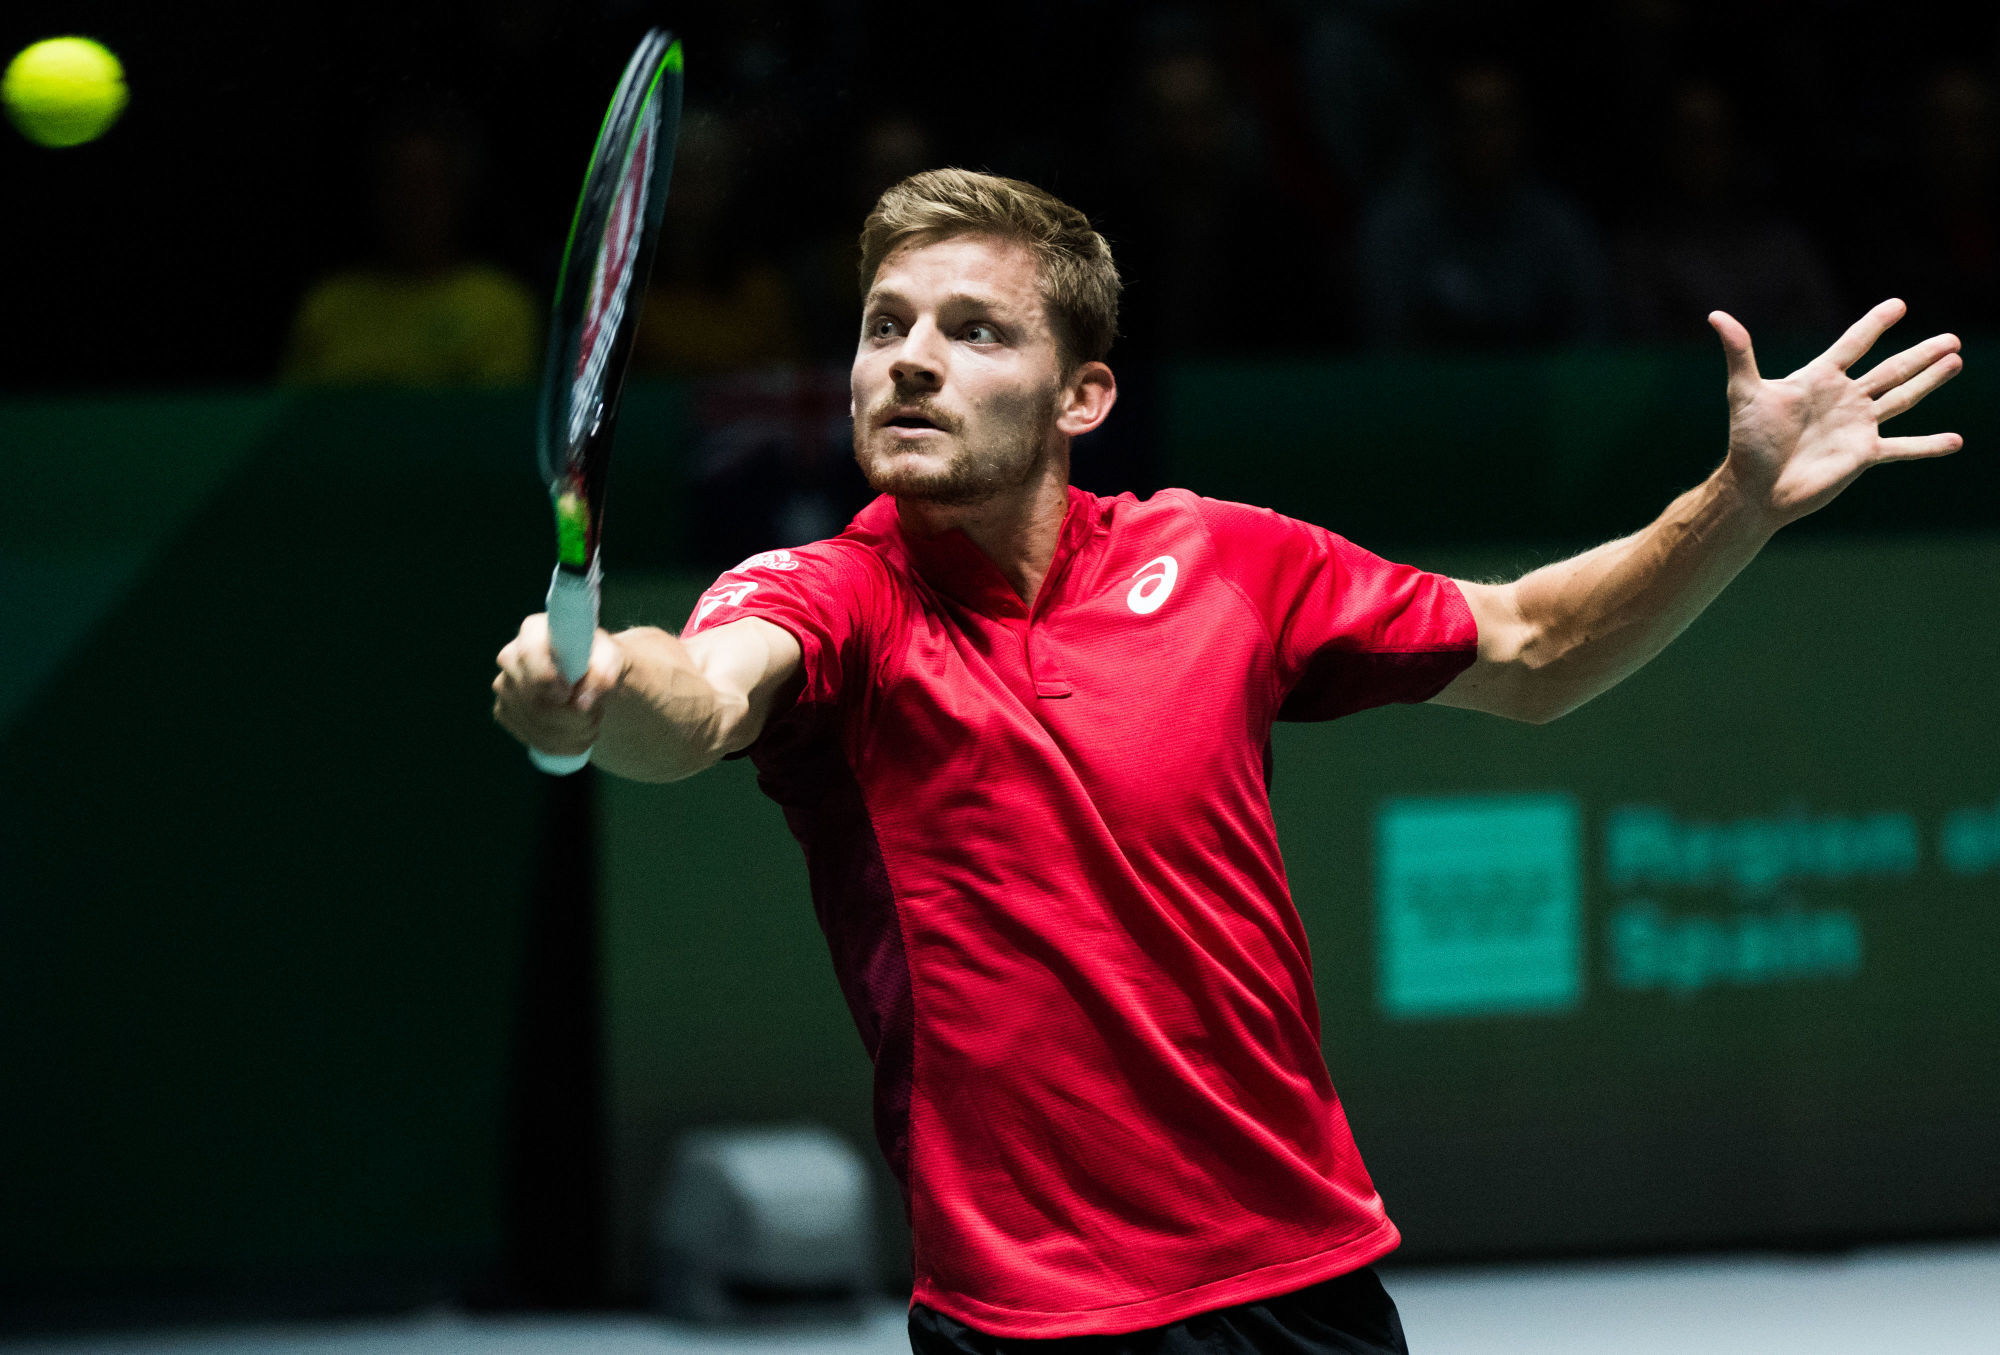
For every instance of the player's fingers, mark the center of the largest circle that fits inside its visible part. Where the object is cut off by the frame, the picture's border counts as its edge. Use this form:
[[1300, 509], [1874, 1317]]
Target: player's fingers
[[561, 742], [1914, 449], [533, 633], [1852, 346], [530, 662], [1736, 348], [1892, 372], [1907, 395], [605, 673], [518, 689], [524, 707], [519, 669], [510, 717], [551, 728]]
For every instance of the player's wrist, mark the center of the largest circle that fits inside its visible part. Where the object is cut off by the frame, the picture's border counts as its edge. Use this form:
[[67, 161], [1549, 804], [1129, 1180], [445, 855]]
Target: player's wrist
[[1745, 495]]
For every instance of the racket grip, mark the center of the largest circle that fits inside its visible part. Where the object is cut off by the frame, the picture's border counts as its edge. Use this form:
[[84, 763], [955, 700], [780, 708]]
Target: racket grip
[[572, 629]]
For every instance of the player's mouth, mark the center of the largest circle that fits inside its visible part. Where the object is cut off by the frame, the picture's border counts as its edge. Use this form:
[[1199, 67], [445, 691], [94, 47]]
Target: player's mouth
[[908, 422]]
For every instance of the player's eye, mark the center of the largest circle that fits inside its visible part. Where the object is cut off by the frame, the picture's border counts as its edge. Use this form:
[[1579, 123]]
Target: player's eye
[[881, 327], [982, 333]]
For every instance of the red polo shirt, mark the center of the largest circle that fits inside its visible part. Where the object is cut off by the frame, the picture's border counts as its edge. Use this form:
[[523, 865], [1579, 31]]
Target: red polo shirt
[[1041, 848]]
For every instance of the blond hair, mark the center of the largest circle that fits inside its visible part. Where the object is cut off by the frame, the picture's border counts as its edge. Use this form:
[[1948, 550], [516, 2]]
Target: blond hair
[[1079, 282]]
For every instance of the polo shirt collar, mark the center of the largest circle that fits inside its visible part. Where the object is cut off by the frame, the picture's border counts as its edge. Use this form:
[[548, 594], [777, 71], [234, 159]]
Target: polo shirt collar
[[952, 564]]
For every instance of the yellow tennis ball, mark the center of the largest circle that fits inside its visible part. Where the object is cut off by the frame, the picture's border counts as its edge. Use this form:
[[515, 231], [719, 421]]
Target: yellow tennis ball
[[63, 91]]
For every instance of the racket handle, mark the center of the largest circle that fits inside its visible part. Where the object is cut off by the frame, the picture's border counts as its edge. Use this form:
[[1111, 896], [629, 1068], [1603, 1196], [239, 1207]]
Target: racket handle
[[572, 629]]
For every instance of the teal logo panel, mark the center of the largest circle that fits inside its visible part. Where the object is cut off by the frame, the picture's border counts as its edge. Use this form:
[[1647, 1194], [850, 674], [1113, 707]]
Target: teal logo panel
[[1479, 905]]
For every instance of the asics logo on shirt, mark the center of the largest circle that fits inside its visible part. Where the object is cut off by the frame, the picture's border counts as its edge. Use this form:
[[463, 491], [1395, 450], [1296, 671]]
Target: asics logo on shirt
[[729, 594], [1155, 581]]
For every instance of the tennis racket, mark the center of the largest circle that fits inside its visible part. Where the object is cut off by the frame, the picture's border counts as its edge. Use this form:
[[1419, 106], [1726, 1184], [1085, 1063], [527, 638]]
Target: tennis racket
[[599, 290]]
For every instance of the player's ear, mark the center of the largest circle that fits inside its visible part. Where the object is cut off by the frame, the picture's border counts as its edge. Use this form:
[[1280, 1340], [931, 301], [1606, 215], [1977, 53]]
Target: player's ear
[[1087, 399]]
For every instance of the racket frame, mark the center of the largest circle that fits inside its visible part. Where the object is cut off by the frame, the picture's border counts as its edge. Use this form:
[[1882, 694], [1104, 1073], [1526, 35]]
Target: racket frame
[[578, 413]]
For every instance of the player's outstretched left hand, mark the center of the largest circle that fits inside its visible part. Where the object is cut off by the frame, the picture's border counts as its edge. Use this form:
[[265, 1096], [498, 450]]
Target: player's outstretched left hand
[[1796, 442]]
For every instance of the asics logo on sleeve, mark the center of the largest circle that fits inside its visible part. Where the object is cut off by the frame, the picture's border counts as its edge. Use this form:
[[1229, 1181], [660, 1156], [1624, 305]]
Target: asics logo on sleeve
[[727, 595], [1155, 581]]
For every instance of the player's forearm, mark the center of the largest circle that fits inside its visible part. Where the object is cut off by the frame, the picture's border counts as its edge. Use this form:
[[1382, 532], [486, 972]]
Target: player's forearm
[[664, 721], [1593, 620]]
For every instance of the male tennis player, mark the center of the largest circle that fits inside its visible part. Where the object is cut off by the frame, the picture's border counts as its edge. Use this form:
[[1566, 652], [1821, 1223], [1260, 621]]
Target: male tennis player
[[1023, 734]]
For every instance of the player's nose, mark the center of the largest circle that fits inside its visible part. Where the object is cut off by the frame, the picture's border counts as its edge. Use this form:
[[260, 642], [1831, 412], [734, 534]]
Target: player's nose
[[915, 379], [919, 360]]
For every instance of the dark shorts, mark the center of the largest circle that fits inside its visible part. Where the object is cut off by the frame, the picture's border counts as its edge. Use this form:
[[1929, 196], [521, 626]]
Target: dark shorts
[[1350, 1314]]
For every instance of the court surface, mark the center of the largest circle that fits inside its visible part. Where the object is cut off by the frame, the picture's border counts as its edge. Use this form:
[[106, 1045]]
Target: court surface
[[1942, 1300]]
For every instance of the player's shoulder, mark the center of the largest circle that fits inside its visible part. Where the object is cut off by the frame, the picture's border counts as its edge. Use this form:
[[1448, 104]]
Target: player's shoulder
[[1163, 510], [1245, 538], [1224, 520], [815, 564], [834, 577], [858, 560]]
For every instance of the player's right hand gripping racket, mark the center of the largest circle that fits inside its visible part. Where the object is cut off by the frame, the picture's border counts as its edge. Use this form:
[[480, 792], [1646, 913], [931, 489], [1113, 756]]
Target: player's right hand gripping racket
[[599, 290]]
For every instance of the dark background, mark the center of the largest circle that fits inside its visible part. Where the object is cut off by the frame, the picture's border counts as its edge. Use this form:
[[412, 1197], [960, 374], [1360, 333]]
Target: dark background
[[1234, 154]]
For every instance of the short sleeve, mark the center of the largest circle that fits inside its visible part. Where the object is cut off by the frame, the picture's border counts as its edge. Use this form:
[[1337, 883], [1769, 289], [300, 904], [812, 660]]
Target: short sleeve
[[1349, 630], [823, 594]]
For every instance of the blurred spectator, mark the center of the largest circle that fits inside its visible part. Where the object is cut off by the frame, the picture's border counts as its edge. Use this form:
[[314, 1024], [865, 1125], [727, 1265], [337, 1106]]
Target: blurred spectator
[[716, 304], [1214, 261], [1471, 250], [1710, 242], [418, 312], [1940, 238]]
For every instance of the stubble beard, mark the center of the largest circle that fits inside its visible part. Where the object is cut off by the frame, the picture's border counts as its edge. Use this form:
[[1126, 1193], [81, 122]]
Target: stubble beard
[[973, 475]]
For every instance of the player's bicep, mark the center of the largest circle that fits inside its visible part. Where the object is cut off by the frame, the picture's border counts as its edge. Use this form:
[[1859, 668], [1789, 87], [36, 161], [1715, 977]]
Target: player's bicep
[[751, 663], [1493, 682]]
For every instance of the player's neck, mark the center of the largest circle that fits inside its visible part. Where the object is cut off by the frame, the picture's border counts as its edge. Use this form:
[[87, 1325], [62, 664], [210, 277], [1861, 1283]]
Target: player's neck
[[1017, 530]]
